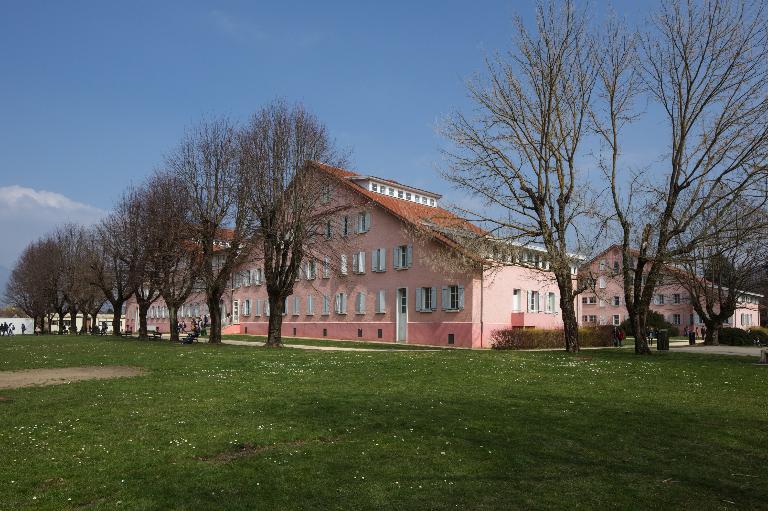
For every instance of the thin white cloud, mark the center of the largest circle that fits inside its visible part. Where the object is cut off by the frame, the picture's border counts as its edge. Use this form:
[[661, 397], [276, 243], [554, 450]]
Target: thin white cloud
[[14, 197], [237, 28], [27, 214]]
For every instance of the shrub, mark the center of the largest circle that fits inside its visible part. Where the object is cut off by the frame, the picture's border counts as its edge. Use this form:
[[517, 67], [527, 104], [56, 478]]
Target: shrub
[[759, 333], [654, 320], [735, 337], [537, 338]]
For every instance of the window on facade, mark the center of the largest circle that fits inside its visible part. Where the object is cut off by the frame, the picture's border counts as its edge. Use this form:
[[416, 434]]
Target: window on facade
[[516, 299], [601, 282], [593, 319], [551, 306], [310, 310], [391, 191], [399, 194], [615, 266], [407, 195], [247, 307], [328, 229], [341, 303], [589, 300], [363, 221], [326, 305], [425, 299], [676, 319], [616, 319], [378, 260], [360, 303], [381, 302], [676, 298], [325, 194], [345, 225], [326, 267], [616, 301], [343, 264], [403, 257], [601, 265], [296, 306], [659, 300], [533, 301], [358, 262], [453, 298], [311, 271], [374, 187]]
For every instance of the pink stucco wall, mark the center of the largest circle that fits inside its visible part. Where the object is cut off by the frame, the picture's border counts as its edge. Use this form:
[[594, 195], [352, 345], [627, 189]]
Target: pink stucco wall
[[488, 303]]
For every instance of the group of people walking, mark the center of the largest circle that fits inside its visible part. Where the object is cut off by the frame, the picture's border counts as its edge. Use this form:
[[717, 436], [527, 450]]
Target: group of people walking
[[198, 324], [10, 329]]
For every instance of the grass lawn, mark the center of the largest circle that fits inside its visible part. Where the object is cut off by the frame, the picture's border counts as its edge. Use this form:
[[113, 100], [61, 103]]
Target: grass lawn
[[236, 427], [334, 343]]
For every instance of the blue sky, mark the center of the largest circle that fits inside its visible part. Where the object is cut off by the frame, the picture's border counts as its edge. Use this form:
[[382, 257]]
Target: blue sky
[[93, 94]]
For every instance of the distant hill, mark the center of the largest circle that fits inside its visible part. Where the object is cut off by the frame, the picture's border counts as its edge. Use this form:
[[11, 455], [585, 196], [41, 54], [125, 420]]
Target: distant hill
[[5, 274]]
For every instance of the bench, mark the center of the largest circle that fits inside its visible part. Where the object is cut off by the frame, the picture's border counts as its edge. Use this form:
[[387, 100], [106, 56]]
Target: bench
[[156, 335]]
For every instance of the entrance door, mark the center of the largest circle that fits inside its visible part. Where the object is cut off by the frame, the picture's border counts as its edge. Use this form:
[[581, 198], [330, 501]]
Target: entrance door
[[402, 314], [235, 312]]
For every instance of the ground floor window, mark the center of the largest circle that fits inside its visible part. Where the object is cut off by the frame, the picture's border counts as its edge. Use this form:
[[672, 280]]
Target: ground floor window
[[675, 319], [453, 298], [616, 319]]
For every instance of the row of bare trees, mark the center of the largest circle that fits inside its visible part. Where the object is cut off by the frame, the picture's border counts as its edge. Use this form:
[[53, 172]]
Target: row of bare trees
[[225, 195], [545, 145]]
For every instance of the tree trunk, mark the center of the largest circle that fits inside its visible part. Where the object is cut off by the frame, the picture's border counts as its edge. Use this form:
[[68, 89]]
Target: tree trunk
[[61, 321], [73, 321], [214, 311], [94, 320], [274, 330], [116, 313], [173, 318], [713, 334], [143, 310], [570, 325], [641, 335]]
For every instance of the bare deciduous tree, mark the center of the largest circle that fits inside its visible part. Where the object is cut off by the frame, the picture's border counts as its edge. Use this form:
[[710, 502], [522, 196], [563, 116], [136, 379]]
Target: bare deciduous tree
[[174, 253], [521, 155], [207, 164], [706, 65], [111, 270], [286, 196], [718, 269], [28, 286]]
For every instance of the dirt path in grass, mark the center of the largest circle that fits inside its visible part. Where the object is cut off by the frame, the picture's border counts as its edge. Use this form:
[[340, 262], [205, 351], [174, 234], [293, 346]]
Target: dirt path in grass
[[61, 375]]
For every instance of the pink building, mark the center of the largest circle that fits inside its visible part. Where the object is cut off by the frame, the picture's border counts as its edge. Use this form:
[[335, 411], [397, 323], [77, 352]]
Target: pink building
[[389, 284], [606, 306]]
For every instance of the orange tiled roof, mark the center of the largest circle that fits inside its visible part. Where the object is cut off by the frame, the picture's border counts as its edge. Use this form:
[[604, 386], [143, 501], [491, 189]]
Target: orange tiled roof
[[419, 215]]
